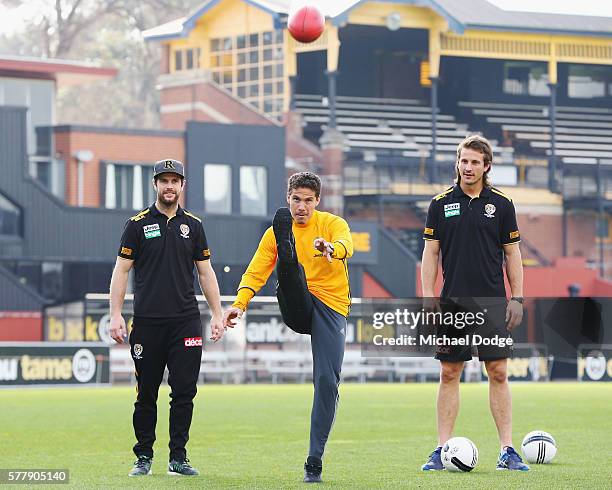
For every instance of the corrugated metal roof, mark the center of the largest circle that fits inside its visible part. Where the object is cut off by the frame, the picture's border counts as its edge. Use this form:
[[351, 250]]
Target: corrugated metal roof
[[482, 14]]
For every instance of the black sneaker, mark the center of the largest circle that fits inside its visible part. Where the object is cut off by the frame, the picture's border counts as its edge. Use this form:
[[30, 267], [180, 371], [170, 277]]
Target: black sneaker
[[181, 468], [142, 466], [312, 470], [285, 241]]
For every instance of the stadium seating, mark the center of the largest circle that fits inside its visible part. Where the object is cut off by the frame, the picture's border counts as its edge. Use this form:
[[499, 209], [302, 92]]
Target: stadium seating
[[277, 366], [389, 126], [121, 364], [582, 133], [218, 365]]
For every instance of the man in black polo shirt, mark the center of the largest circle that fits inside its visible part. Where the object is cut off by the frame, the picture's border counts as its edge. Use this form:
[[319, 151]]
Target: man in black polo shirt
[[162, 243], [474, 226]]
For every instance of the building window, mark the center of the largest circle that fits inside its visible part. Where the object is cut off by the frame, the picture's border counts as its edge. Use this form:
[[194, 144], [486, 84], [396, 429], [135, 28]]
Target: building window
[[524, 78], [187, 59], [588, 82], [253, 190], [129, 186], [218, 188], [241, 64], [10, 218]]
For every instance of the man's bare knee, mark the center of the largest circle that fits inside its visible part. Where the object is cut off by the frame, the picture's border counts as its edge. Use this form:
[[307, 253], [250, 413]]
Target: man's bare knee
[[497, 371], [450, 372]]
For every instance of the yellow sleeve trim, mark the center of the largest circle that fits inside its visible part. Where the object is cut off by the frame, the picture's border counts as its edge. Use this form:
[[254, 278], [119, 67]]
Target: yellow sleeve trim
[[140, 215], [493, 189], [442, 194], [431, 239], [192, 215]]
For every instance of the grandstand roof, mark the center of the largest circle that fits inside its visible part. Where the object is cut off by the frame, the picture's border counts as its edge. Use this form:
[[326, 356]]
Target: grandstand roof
[[480, 14], [461, 15]]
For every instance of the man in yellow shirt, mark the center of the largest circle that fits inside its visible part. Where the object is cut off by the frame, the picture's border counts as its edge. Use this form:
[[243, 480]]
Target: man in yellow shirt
[[310, 249]]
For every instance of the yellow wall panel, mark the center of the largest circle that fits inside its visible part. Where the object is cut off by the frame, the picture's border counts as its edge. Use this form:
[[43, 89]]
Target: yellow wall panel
[[374, 13], [234, 17]]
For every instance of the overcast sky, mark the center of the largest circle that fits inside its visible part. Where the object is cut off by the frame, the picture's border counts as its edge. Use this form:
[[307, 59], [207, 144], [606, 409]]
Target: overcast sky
[[10, 20]]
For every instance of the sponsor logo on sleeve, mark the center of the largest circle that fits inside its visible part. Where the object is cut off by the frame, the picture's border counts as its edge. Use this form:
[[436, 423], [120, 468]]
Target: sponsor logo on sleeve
[[428, 231], [514, 234], [206, 252], [126, 251], [193, 341], [453, 209], [151, 231]]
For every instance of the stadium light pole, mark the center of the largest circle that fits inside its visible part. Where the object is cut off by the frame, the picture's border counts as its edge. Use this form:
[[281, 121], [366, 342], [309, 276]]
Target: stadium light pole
[[292, 90], [434, 128], [600, 220], [552, 163], [331, 89]]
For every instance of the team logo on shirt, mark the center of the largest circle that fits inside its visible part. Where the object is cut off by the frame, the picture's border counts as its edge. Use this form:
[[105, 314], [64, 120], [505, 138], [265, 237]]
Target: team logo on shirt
[[490, 210], [138, 351], [453, 209], [151, 231], [184, 230]]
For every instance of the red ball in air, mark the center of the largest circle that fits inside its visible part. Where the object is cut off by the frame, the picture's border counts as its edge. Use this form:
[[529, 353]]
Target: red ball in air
[[306, 25]]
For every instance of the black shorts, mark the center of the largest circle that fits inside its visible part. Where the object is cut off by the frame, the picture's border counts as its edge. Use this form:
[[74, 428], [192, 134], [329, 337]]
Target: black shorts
[[479, 329]]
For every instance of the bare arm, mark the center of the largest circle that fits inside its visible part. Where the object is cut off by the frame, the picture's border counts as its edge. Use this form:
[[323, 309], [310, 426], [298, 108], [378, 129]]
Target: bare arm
[[429, 267], [514, 268], [514, 271], [118, 287], [209, 285], [210, 288]]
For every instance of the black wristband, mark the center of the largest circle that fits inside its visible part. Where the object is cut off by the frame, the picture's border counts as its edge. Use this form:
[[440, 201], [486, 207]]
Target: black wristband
[[517, 299]]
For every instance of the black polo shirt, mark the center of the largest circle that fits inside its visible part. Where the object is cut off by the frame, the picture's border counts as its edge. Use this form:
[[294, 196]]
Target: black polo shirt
[[163, 251], [472, 232]]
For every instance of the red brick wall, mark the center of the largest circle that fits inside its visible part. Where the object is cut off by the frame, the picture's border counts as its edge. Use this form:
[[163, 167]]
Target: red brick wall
[[119, 147], [550, 281], [216, 99], [21, 325], [545, 232], [372, 288]]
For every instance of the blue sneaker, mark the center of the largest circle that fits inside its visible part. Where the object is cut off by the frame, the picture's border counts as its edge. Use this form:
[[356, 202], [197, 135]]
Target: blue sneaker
[[510, 460], [434, 463]]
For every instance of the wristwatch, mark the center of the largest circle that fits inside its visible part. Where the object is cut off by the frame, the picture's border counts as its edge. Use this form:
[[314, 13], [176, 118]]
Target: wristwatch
[[518, 299]]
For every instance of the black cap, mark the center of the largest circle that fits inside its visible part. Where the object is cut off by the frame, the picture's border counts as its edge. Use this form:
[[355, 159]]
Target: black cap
[[169, 166]]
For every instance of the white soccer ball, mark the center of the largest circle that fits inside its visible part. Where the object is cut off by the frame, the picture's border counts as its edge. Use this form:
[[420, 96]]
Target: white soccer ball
[[459, 454], [539, 447]]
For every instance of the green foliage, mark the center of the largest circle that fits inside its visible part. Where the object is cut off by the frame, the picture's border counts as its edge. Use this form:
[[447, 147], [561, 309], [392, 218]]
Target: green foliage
[[108, 33]]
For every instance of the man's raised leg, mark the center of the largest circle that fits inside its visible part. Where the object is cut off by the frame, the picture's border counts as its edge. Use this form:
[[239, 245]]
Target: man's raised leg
[[294, 299]]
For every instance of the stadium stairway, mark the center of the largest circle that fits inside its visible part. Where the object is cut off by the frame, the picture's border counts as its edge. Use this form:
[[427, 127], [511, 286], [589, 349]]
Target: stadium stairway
[[388, 126], [17, 294]]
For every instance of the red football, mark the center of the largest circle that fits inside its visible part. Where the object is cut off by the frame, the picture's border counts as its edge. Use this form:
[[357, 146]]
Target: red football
[[306, 25]]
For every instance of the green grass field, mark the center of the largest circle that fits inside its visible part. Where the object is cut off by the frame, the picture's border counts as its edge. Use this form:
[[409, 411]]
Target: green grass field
[[256, 436]]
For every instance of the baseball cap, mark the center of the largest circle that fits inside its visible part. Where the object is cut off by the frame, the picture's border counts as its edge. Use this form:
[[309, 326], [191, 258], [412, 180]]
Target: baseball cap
[[169, 166]]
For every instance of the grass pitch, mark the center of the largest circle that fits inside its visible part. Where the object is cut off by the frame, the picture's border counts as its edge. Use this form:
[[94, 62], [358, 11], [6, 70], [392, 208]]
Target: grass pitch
[[256, 436]]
